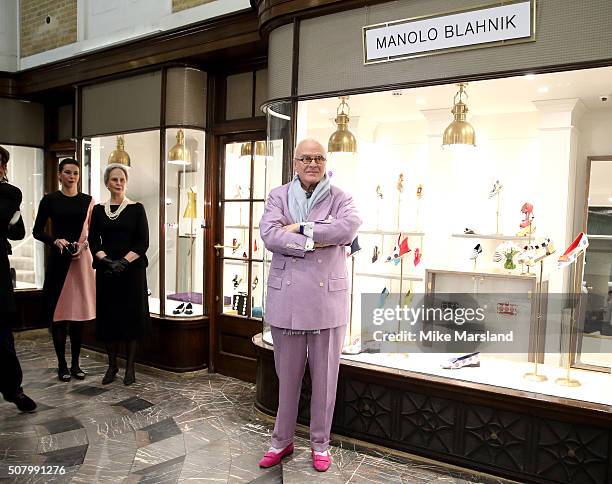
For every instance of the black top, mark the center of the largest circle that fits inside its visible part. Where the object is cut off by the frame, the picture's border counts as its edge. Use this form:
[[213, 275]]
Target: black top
[[128, 232], [10, 200], [67, 215]]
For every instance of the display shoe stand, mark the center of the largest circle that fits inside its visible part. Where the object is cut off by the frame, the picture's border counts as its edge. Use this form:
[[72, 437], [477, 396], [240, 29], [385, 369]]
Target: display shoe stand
[[534, 375], [569, 335]]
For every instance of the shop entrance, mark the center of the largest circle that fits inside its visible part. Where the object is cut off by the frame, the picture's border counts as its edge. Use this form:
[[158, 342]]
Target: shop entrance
[[239, 252]]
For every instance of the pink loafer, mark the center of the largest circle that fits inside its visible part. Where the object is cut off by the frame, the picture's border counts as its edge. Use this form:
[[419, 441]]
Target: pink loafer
[[320, 462], [272, 458]]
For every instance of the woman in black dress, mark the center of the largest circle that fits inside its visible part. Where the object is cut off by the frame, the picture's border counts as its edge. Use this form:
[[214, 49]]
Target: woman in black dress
[[11, 227], [69, 286], [119, 239]]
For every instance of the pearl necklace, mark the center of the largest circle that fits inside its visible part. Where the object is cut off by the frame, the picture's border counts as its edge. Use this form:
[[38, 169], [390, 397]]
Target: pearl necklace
[[113, 215]]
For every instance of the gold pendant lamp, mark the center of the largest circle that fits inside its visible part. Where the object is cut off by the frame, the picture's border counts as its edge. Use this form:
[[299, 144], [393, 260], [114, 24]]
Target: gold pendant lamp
[[179, 154], [342, 140], [459, 132], [260, 149], [119, 155]]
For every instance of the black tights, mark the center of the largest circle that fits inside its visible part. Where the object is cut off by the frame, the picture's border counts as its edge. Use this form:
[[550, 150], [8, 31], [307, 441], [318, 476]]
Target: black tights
[[112, 348], [59, 331]]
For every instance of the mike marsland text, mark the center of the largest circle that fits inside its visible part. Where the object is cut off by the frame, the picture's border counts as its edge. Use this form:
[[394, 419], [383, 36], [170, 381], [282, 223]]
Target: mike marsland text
[[434, 336]]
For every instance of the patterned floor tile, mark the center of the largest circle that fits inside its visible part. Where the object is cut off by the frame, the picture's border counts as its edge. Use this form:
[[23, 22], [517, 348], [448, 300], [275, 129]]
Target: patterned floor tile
[[170, 428]]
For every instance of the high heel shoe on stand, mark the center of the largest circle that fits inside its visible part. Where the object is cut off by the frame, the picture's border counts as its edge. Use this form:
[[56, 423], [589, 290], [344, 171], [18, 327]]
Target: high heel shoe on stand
[[527, 226], [179, 309], [417, 256], [189, 309], [579, 245], [476, 251], [497, 187], [527, 211]]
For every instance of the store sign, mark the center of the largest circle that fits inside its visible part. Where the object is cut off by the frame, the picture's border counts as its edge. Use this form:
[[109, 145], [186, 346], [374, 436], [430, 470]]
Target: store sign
[[494, 25]]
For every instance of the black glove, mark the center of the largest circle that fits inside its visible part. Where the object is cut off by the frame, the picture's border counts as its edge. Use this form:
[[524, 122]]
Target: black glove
[[105, 264], [120, 265]]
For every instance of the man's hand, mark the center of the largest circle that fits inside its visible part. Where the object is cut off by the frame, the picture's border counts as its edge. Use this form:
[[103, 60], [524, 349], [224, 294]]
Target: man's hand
[[295, 228]]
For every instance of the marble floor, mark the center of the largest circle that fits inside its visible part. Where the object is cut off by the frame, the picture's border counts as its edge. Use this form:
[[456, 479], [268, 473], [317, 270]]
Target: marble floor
[[168, 428]]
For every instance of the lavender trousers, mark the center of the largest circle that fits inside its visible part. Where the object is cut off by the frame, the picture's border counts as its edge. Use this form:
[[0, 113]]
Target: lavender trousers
[[290, 354]]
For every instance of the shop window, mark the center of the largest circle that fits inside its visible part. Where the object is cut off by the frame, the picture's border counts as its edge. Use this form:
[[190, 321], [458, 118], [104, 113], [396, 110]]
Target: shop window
[[474, 220], [25, 170], [184, 258], [142, 148]]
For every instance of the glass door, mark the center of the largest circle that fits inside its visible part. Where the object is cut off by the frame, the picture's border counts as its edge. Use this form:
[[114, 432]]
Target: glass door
[[239, 249]]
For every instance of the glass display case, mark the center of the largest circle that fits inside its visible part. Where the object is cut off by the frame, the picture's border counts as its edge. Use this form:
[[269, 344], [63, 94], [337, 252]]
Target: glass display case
[[184, 258], [497, 215], [279, 145], [25, 170], [182, 288]]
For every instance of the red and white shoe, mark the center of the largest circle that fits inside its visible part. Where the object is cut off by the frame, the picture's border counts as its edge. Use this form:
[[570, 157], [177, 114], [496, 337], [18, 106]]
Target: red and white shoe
[[272, 458], [579, 245]]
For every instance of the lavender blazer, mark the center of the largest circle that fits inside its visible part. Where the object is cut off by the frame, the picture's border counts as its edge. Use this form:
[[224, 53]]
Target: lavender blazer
[[308, 289]]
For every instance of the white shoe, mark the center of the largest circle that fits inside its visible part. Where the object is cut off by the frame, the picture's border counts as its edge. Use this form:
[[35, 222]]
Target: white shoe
[[497, 187]]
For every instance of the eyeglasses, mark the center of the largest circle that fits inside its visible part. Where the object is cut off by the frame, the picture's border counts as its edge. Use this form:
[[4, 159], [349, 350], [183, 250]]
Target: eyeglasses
[[307, 160]]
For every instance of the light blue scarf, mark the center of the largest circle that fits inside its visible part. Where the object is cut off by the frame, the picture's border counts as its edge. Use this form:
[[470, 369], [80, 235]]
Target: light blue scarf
[[299, 204]]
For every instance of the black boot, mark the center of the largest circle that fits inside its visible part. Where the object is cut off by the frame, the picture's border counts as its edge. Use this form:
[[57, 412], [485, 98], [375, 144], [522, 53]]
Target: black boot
[[109, 377], [111, 348], [24, 403], [59, 330], [130, 373], [76, 338]]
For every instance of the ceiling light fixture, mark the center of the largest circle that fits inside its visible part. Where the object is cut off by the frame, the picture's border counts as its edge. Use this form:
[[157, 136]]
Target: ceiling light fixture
[[342, 140], [179, 154], [119, 155], [459, 132], [260, 149]]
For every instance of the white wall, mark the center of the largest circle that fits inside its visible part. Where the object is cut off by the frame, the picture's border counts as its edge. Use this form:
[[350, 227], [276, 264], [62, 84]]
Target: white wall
[[8, 35], [101, 23]]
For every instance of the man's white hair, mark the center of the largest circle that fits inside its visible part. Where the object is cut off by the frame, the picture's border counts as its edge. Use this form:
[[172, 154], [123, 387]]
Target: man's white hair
[[309, 140]]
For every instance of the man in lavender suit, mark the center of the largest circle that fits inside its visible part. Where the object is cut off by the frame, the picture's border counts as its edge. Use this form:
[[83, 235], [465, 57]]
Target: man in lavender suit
[[306, 225]]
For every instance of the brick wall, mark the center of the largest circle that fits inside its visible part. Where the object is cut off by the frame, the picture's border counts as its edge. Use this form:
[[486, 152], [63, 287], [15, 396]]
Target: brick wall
[[46, 24], [178, 5]]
